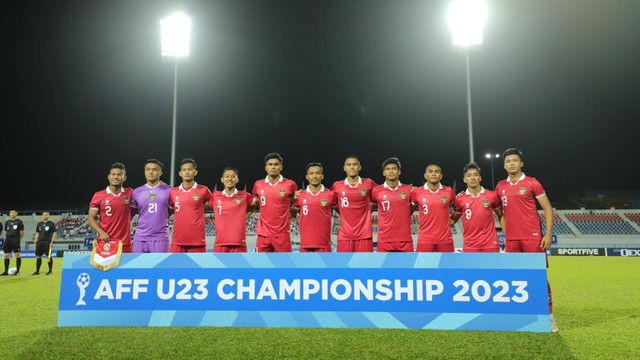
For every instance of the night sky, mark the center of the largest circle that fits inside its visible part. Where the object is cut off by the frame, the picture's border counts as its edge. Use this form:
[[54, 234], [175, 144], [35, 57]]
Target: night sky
[[83, 86]]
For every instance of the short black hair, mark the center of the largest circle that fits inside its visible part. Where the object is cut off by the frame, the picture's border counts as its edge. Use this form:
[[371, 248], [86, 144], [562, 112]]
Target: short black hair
[[471, 165], [352, 157], [432, 164], [230, 168], [155, 161], [391, 160], [118, 165], [311, 164], [188, 161], [513, 151], [272, 155]]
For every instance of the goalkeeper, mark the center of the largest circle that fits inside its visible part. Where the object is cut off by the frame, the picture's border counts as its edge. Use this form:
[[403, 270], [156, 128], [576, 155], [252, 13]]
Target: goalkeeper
[[43, 241]]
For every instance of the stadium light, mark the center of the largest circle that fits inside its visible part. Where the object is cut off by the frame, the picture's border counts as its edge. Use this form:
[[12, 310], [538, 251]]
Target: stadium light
[[467, 19], [491, 158], [175, 32]]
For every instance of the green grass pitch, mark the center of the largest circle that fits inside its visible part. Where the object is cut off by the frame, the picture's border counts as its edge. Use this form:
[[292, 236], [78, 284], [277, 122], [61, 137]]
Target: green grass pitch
[[596, 305]]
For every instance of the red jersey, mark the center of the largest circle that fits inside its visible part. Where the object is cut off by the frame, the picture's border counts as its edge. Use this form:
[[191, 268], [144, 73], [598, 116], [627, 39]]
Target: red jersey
[[354, 204], [434, 209], [188, 218], [230, 213], [478, 222], [315, 217], [275, 204], [394, 212], [115, 213], [519, 208]]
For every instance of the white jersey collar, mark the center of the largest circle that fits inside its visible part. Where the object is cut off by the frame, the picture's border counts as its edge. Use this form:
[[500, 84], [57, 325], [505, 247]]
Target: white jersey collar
[[521, 177]]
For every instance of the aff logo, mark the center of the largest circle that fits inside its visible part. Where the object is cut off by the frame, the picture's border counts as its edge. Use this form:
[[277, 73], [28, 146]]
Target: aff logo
[[629, 252]]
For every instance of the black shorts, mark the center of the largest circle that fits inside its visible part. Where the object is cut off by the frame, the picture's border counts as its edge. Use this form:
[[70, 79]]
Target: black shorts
[[42, 248], [11, 245]]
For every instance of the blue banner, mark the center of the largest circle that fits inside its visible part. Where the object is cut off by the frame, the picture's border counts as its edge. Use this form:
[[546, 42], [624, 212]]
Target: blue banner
[[395, 290]]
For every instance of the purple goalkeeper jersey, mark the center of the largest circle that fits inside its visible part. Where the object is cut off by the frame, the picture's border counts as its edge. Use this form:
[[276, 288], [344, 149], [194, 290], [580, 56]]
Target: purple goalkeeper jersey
[[152, 206]]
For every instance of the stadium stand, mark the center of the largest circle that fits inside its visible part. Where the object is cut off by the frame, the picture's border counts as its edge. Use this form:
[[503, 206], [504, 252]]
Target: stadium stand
[[573, 228]]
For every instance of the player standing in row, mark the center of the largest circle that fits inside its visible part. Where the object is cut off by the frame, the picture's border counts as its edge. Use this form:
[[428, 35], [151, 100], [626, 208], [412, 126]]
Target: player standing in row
[[151, 202], [477, 206], [354, 206], [188, 201], [231, 208], [43, 241], [434, 202], [15, 231], [315, 205], [275, 196], [113, 205], [521, 222], [394, 210]]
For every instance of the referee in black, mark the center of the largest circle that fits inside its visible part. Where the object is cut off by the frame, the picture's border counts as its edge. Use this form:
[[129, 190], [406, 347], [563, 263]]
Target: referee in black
[[43, 241], [15, 231]]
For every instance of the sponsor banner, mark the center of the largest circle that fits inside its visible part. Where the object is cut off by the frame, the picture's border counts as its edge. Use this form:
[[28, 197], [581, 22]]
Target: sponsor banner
[[503, 292], [62, 253], [29, 254], [623, 251], [578, 251]]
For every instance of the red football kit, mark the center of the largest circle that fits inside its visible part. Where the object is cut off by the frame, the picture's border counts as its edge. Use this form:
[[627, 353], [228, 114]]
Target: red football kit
[[230, 213], [315, 219], [188, 221], [115, 214], [478, 222], [394, 217], [273, 226], [354, 204], [434, 214], [522, 222]]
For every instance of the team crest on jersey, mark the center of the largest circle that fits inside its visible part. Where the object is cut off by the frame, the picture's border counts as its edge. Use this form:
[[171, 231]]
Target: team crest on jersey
[[323, 202], [46, 228], [238, 201], [522, 191], [444, 199], [485, 203], [363, 192], [282, 192], [152, 196], [126, 200], [196, 197], [403, 195]]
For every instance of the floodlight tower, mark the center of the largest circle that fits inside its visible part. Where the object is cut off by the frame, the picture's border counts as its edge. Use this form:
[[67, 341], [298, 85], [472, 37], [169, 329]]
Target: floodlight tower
[[491, 158], [467, 19], [175, 32]]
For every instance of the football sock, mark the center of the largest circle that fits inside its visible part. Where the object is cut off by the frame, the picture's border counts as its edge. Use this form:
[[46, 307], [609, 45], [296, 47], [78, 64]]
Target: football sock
[[38, 263], [550, 298], [6, 264], [50, 263], [18, 263]]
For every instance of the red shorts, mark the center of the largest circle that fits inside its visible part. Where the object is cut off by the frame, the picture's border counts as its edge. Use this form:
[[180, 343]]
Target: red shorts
[[274, 243], [361, 245], [229, 248], [187, 249], [321, 249], [395, 246], [126, 248], [525, 246], [422, 247], [492, 249]]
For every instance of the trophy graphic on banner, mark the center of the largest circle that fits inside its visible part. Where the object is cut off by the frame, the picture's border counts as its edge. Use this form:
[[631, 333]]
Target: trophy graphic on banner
[[82, 282]]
